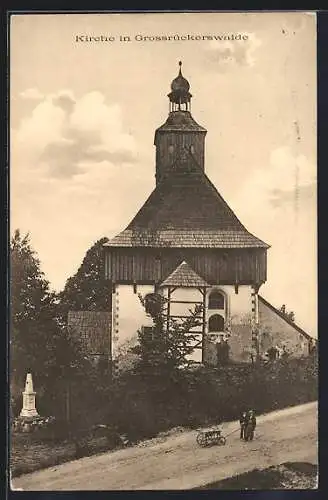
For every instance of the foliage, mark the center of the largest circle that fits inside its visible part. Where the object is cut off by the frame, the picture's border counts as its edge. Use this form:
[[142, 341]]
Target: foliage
[[290, 315], [21, 424], [164, 349], [34, 330], [87, 289], [39, 341], [141, 407]]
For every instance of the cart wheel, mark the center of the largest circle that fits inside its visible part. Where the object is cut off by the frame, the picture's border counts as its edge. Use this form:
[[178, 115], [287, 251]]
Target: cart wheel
[[201, 439], [222, 440]]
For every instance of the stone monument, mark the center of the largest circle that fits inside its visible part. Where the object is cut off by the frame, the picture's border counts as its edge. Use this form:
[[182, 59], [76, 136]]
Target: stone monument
[[29, 409]]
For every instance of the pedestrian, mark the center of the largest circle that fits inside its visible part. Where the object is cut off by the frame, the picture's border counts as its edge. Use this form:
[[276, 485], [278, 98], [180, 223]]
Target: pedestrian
[[242, 421], [252, 418], [250, 425]]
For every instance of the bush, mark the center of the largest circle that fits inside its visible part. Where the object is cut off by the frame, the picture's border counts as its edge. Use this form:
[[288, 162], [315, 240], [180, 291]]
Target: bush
[[133, 408], [203, 396], [32, 424], [141, 407]]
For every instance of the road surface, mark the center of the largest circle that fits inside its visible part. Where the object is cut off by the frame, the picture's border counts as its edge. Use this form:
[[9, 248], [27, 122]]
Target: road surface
[[179, 463]]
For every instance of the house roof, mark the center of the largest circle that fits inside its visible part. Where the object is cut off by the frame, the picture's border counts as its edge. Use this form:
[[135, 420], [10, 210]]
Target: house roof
[[287, 320], [185, 210], [179, 238], [92, 328], [184, 276]]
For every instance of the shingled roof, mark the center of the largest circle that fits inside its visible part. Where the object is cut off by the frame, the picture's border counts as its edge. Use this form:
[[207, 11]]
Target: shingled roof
[[185, 210], [180, 121], [184, 276]]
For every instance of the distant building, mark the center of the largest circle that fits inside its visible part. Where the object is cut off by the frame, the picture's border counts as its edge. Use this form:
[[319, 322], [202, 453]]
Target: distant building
[[278, 331], [188, 245]]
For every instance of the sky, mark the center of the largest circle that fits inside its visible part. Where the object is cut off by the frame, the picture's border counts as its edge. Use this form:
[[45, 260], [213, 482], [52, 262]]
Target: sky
[[84, 113]]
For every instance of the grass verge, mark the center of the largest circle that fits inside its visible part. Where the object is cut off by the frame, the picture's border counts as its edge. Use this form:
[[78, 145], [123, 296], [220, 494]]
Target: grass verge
[[286, 476]]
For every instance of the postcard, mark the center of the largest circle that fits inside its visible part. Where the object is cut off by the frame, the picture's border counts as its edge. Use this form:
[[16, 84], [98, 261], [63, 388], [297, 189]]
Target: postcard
[[163, 315]]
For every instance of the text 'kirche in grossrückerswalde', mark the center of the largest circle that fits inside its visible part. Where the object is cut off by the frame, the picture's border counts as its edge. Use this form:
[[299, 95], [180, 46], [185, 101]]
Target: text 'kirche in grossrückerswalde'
[[161, 38]]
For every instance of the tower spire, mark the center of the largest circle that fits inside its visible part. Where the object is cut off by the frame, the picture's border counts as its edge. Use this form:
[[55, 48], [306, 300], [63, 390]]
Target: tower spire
[[179, 96], [180, 140]]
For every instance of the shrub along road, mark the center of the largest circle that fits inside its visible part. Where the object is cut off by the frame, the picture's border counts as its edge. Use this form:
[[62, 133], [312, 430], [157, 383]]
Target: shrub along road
[[179, 463]]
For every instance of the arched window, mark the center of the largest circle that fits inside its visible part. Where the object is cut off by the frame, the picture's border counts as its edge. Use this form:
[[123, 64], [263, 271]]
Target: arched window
[[216, 323], [216, 300]]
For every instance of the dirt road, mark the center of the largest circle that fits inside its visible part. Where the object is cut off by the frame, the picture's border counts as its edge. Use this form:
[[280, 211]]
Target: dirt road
[[178, 462]]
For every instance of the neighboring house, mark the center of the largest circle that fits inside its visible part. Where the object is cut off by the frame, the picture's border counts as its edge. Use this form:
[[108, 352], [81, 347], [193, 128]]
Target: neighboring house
[[93, 329], [279, 332]]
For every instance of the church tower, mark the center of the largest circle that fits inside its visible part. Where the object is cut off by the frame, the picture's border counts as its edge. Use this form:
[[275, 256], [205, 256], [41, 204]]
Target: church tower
[[180, 137], [186, 244]]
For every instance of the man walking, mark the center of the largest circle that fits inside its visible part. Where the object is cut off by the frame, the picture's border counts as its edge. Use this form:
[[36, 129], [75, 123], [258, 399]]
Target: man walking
[[242, 421], [250, 425]]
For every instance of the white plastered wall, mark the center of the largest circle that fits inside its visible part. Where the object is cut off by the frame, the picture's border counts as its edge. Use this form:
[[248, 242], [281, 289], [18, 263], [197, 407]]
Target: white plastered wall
[[128, 315]]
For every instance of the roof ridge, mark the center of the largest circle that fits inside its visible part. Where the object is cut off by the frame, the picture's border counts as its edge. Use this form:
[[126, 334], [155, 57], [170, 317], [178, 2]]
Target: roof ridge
[[287, 320], [183, 280]]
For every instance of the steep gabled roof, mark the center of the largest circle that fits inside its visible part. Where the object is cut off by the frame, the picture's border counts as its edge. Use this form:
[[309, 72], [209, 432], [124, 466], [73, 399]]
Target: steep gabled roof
[[186, 210], [287, 320], [184, 276]]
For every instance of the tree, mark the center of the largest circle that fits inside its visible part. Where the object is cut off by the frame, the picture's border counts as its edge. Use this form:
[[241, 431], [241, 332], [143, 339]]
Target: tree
[[33, 327], [88, 288], [38, 341], [290, 315], [163, 349]]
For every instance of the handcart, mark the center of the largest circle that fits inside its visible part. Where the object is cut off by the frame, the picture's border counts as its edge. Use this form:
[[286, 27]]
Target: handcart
[[210, 437]]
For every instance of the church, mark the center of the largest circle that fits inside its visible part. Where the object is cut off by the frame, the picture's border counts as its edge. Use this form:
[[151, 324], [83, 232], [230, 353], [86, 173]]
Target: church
[[186, 244]]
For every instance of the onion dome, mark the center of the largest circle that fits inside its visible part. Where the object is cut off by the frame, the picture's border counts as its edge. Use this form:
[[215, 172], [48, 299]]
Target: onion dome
[[180, 94], [180, 83]]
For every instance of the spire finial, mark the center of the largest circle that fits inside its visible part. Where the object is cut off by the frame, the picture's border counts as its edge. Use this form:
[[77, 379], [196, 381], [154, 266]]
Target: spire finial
[[180, 64]]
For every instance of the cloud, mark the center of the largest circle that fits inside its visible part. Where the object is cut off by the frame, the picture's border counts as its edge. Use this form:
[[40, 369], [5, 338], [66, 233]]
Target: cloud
[[281, 197], [73, 163], [63, 132], [278, 204], [277, 184], [230, 53], [33, 94], [65, 101]]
